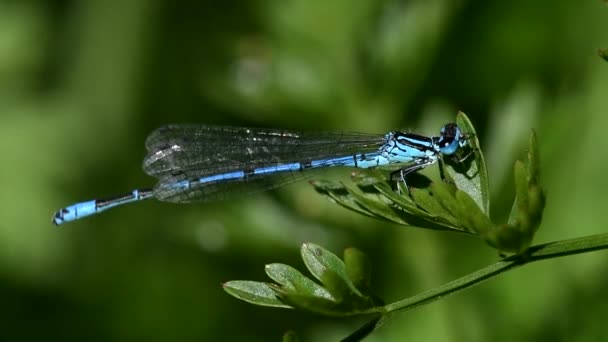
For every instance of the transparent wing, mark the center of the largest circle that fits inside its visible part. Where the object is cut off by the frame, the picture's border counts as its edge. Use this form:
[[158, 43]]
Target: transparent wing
[[166, 190], [178, 153]]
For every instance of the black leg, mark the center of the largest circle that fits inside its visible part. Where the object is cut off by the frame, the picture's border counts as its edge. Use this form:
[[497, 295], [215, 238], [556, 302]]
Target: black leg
[[406, 171], [442, 170], [457, 160]]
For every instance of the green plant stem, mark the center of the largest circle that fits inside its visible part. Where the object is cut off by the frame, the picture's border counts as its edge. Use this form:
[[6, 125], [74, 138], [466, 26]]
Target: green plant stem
[[534, 253]]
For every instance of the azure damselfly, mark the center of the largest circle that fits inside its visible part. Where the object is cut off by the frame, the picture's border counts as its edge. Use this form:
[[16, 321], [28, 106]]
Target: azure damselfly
[[198, 163]]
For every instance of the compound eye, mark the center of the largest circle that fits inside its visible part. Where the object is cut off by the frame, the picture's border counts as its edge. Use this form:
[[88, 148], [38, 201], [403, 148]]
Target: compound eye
[[450, 139], [449, 147], [450, 130]]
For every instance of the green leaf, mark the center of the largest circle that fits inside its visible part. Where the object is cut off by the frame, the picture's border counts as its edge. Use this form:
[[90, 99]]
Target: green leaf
[[341, 288], [338, 193], [358, 268], [442, 195], [403, 201], [378, 205], [292, 279], [381, 206], [507, 238], [533, 160], [521, 185], [374, 198], [338, 297], [425, 205], [331, 271], [346, 302], [426, 200], [254, 292], [477, 219], [319, 261], [420, 209], [527, 210], [536, 194], [536, 207], [313, 304], [463, 204], [472, 176]]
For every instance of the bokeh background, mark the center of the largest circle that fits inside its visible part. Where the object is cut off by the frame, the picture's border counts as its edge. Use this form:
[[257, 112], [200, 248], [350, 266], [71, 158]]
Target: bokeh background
[[83, 82]]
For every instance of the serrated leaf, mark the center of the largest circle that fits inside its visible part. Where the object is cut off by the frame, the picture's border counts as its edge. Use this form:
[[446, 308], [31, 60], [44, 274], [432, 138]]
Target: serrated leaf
[[319, 260], [292, 279], [254, 292]]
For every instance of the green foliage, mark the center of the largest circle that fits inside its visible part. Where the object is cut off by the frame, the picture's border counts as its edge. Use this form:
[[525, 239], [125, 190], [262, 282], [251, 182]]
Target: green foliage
[[461, 205], [83, 82], [253, 292], [471, 177], [344, 289], [345, 284], [527, 211]]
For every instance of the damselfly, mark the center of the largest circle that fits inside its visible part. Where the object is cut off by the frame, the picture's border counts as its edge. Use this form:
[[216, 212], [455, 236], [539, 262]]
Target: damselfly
[[197, 163]]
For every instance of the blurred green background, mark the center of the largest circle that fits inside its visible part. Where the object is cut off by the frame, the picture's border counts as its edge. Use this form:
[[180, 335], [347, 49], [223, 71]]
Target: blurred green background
[[83, 82]]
